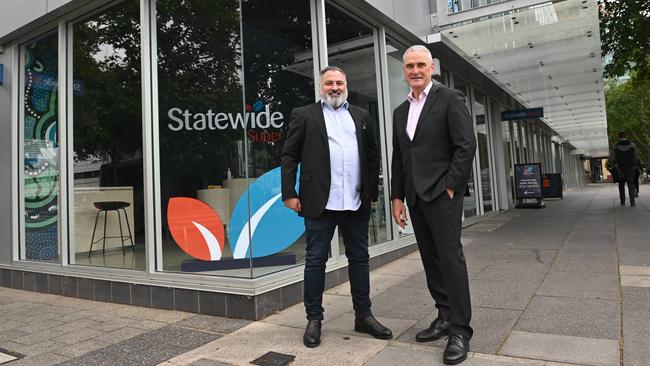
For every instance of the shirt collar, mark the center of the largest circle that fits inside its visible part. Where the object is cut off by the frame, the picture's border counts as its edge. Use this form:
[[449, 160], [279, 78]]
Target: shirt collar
[[424, 93], [343, 106]]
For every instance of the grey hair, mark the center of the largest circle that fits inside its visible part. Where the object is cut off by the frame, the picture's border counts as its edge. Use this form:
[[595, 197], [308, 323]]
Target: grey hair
[[331, 68], [418, 48]]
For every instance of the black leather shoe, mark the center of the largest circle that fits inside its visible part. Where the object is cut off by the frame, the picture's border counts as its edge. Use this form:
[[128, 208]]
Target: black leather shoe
[[368, 324], [311, 338], [632, 204], [456, 350], [438, 329]]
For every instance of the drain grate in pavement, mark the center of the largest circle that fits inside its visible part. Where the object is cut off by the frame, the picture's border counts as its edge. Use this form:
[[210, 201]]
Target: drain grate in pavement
[[274, 359], [8, 356]]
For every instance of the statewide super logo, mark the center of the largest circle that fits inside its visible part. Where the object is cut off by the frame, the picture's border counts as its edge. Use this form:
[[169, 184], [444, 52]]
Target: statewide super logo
[[269, 229], [256, 119]]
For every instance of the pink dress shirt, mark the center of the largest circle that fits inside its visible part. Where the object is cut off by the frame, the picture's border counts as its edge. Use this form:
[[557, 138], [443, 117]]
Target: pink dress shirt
[[415, 110]]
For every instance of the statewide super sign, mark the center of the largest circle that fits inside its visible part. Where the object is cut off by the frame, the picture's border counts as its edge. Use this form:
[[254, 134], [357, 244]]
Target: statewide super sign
[[522, 114]]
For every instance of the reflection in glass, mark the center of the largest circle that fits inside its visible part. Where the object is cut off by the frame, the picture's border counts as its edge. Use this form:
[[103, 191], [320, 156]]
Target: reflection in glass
[[398, 90], [469, 204], [507, 153], [279, 76], [224, 104], [201, 118], [109, 223], [39, 114], [481, 114], [351, 47]]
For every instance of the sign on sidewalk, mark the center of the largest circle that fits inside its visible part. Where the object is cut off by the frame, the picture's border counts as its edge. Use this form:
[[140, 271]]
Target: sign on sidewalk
[[528, 185], [552, 185]]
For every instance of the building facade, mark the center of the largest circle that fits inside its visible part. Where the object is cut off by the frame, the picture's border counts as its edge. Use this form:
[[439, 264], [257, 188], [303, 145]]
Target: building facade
[[141, 141]]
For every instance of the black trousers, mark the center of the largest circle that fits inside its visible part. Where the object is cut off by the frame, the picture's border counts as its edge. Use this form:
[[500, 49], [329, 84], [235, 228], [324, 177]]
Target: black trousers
[[354, 227], [437, 225], [626, 176]]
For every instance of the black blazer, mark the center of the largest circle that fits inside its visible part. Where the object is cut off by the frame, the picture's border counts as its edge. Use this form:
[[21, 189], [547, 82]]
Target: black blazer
[[307, 143], [441, 153]]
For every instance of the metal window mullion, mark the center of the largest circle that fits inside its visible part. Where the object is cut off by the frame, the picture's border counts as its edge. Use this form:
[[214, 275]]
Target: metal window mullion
[[477, 159], [62, 121], [17, 164], [385, 132], [69, 140], [381, 70], [149, 123]]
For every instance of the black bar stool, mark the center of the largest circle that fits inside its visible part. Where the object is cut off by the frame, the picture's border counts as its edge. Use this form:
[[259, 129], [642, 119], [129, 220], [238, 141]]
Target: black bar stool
[[105, 207]]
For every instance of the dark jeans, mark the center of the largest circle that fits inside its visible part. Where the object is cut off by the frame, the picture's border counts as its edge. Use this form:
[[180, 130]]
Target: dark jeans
[[437, 225], [626, 176], [354, 227]]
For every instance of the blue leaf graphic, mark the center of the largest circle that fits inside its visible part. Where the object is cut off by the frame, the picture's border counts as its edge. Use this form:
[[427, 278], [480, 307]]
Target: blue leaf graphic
[[258, 106], [273, 226]]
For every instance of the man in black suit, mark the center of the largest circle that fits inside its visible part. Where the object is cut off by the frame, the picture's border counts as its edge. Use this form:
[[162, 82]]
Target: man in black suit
[[433, 149], [335, 146]]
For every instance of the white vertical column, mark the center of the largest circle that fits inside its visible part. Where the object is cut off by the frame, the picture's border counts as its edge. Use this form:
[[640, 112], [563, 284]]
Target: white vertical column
[[149, 89], [66, 163]]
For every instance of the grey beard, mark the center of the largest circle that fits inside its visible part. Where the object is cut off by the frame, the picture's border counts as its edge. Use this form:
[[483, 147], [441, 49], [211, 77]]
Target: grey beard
[[335, 102]]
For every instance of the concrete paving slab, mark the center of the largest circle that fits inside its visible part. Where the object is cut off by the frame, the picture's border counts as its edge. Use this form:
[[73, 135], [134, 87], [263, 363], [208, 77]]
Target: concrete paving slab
[[213, 323], [404, 355], [45, 359], [588, 264], [635, 270], [584, 285], [391, 303], [236, 349], [590, 318], [294, 316], [501, 294], [516, 272], [635, 281], [344, 324], [552, 347], [636, 323], [378, 283], [80, 348], [399, 267], [491, 327]]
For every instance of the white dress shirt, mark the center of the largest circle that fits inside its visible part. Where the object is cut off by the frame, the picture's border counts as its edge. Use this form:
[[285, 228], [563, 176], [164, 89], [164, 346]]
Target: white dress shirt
[[345, 186], [415, 109]]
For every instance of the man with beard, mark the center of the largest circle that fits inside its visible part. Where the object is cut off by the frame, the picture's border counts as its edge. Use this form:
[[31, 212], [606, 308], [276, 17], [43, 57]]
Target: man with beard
[[334, 143]]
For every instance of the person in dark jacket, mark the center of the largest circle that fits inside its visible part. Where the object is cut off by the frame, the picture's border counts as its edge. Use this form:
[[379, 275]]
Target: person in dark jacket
[[625, 159]]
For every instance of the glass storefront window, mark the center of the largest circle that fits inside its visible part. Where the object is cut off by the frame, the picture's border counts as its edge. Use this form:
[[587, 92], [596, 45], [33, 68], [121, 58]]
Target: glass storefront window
[[351, 47], [398, 90], [224, 103], [482, 136], [109, 220], [469, 205], [40, 140], [278, 76]]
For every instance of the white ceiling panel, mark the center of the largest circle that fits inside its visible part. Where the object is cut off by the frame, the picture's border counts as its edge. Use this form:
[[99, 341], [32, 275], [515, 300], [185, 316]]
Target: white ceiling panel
[[548, 56]]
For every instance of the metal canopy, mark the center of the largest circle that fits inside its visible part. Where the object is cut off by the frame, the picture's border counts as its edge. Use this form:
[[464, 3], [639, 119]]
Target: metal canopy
[[548, 56]]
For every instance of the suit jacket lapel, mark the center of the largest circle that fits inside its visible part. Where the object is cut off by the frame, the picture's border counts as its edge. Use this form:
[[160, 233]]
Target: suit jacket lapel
[[431, 97], [319, 118]]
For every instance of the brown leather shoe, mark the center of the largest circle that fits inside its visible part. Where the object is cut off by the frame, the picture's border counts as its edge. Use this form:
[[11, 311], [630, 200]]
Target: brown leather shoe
[[368, 324], [311, 338], [438, 329]]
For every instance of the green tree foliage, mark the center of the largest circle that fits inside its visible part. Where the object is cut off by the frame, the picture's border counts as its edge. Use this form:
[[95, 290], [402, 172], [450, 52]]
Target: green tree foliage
[[628, 109], [624, 33]]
